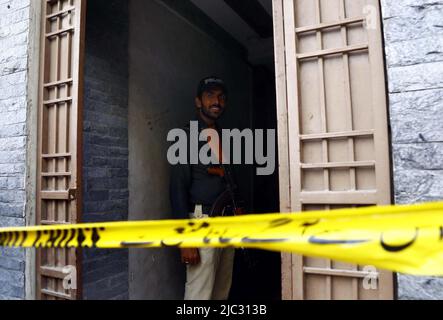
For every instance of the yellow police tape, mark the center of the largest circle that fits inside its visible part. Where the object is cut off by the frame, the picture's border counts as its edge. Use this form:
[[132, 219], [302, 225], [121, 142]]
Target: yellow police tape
[[407, 239]]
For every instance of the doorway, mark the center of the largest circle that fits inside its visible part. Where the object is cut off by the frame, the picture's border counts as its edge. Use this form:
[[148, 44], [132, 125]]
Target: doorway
[[143, 62], [171, 47]]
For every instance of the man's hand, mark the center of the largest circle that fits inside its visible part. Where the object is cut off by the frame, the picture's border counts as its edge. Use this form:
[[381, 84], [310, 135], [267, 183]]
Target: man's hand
[[190, 256]]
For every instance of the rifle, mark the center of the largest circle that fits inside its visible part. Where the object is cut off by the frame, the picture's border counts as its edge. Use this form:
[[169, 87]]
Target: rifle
[[226, 204]]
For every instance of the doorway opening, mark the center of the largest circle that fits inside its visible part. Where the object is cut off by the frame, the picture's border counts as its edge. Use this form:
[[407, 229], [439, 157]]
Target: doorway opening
[[143, 62]]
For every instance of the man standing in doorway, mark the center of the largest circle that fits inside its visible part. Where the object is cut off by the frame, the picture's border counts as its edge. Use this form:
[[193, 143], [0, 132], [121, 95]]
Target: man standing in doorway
[[195, 190]]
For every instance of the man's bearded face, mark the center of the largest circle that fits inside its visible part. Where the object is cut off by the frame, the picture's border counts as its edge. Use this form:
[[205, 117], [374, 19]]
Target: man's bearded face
[[212, 103]]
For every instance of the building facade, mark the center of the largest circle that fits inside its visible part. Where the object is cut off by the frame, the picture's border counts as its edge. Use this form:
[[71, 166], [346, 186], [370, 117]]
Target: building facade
[[414, 40], [413, 45]]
